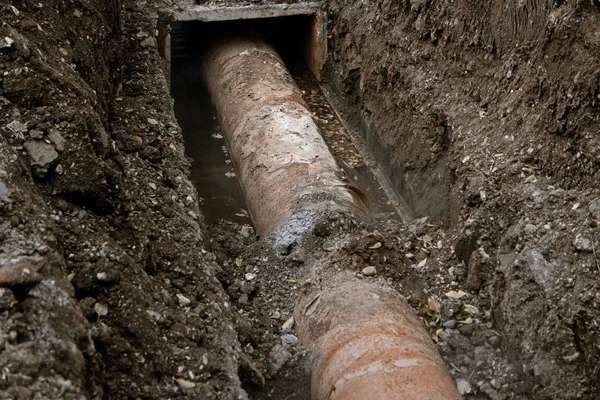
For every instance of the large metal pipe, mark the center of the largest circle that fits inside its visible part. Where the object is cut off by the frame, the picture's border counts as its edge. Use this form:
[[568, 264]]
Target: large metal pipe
[[367, 339], [282, 162], [369, 343]]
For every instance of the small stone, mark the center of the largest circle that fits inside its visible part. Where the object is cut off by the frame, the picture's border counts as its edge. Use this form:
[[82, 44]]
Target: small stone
[[450, 324], [250, 276], [185, 384], [288, 325], [275, 315], [450, 307], [6, 42], [43, 156], [582, 243], [278, 357], [183, 301], [58, 140], [5, 193], [463, 386], [7, 299], [148, 42], [530, 229], [495, 341], [102, 276], [369, 271], [289, 339], [22, 271], [36, 134], [28, 24]]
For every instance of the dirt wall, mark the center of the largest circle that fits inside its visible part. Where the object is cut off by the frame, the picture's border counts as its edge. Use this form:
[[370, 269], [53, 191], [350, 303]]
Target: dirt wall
[[425, 76], [485, 115], [95, 191]]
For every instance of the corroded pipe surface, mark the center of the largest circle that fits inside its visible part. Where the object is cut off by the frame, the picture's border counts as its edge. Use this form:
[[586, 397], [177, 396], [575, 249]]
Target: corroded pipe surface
[[282, 162], [368, 341]]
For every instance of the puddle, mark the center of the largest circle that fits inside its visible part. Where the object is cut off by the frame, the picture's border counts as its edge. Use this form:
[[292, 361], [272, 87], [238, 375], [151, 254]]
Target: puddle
[[211, 167]]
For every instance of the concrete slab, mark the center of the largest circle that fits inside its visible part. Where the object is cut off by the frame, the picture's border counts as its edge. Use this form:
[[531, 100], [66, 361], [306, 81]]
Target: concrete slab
[[230, 13]]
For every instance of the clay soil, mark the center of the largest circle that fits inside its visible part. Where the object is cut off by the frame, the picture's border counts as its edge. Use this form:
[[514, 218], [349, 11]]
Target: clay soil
[[484, 116]]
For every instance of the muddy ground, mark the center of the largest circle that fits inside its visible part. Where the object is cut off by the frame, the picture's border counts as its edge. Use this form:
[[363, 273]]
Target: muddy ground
[[484, 115]]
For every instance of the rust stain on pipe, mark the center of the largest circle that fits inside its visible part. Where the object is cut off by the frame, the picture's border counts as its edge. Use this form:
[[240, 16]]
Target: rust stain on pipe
[[282, 162], [369, 343]]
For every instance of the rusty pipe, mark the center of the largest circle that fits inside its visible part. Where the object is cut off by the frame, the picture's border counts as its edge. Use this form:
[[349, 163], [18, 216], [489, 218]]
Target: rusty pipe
[[367, 339], [282, 162], [369, 343]]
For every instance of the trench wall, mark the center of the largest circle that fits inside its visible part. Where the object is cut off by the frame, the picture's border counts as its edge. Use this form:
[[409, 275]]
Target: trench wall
[[463, 100], [420, 79], [95, 191]]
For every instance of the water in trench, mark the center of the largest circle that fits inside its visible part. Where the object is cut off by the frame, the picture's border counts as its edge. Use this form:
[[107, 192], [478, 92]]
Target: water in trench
[[342, 145], [212, 170]]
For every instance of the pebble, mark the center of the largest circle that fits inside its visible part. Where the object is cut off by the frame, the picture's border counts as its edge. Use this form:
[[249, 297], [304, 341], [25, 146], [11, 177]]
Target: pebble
[[289, 339], [450, 324], [250, 276], [582, 243], [288, 325], [6, 42], [36, 134], [530, 229], [183, 301], [369, 271], [463, 386], [7, 299], [594, 208], [450, 307], [278, 357], [57, 139], [42, 154]]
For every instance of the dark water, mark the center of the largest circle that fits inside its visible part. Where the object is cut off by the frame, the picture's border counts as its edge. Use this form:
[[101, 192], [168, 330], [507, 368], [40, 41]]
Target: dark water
[[211, 167]]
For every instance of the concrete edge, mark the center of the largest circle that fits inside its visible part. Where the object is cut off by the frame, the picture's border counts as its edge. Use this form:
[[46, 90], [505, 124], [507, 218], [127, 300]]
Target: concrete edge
[[215, 14]]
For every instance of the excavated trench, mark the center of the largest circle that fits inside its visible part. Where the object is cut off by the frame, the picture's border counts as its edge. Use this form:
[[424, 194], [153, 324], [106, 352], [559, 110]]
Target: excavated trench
[[113, 286], [284, 169]]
